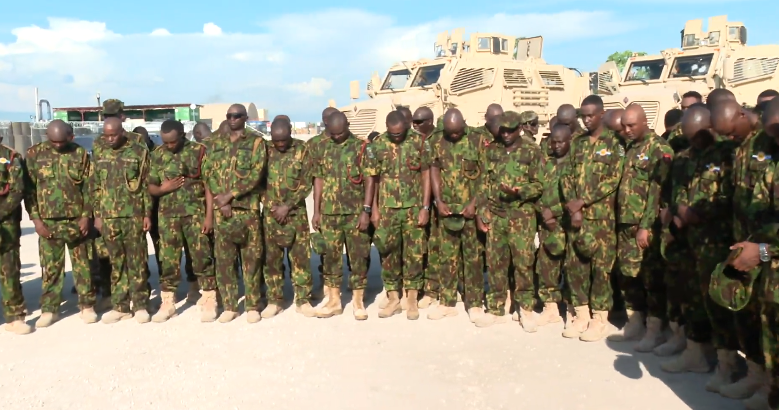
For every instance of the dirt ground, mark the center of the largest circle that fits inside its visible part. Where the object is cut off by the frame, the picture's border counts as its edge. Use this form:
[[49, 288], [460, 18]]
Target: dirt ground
[[295, 362]]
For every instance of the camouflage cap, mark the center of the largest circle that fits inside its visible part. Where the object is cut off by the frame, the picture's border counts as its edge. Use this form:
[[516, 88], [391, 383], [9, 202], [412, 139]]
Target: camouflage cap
[[554, 243], [528, 116], [585, 243], [318, 243], [454, 223], [112, 106], [282, 235], [510, 119], [385, 242], [731, 288]]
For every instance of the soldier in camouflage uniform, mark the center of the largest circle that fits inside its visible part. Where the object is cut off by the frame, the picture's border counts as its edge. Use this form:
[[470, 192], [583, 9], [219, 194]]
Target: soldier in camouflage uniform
[[59, 206], [286, 220], [422, 122], [456, 164], [122, 210], [343, 195], [492, 112], [647, 160], [398, 159], [553, 223], [12, 190], [176, 179], [234, 170], [510, 188], [529, 123], [589, 187]]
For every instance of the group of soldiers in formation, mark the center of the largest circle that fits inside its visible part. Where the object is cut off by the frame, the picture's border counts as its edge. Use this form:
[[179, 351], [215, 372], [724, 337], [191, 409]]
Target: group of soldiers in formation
[[679, 228]]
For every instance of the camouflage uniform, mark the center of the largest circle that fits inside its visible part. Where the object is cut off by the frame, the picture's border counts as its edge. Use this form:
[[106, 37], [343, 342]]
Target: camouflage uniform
[[238, 167], [551, 252], [181, 214], [592, 175], [646, 166], [58, 196], [11, 192], [289, 182], [525, 118], [512, 219], [459, 250], [119, 196], [341, 168]]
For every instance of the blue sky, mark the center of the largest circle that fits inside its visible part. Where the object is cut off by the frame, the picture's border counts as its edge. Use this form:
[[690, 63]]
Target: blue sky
[[292, 57]]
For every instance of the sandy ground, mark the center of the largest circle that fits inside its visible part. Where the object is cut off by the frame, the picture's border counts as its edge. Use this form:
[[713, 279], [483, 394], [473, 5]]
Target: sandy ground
[[339, 363]]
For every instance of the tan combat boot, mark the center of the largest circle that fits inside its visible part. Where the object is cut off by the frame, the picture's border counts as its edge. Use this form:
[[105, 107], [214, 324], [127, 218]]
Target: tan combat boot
[[489, 319], [692, 359], [325, 297], [426, 302], [18, 327], [253, 316], [358, 306], [193, 294], [475, 313], [723, 373], [88, 315], [270, 311], [333, 306], [598, 328], [759, 400], [142, 316], [746, 387], [103, 305], [412, 312], [208, 306], [576, 322], [551, 314], [228, 316], [167, 308], [47, 319], [393, 305], [633, 329], [528, 321], [440, 311], [675, 344], [653, 337], [115, 316], [403, 300], [306, 310]]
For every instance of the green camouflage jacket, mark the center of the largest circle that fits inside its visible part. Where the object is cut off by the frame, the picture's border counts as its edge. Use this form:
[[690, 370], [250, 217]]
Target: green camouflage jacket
[[399, 167], [528, 137], [190, 199], [764, 213], [550, 179], [592, 174], [677, 140], [289, 176], [58, 185], [342, 168], [748, 166], [237, 167], [646, 166], [520, 169], [118, 186], [461, 164], [12, 185]]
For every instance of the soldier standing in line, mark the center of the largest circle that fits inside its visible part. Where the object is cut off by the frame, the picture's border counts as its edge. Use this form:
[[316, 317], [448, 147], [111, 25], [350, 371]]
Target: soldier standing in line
[[510, 189], [286, 220], [234, 170], [422, 121], [568, 115], [343, 195], [122, 210], [589, 189], [551, 252], [12, 191], [176, 179], [492, 112], [456, 164], [638, 231], [201, 132], [58, 203], [529, 124], [398, 160]]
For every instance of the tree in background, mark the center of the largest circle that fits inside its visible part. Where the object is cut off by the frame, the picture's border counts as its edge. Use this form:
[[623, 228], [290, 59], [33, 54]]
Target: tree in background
[[621, 58]]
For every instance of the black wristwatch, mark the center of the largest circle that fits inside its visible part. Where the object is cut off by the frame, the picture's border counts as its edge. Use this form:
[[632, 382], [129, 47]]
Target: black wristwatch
[[366, 209]]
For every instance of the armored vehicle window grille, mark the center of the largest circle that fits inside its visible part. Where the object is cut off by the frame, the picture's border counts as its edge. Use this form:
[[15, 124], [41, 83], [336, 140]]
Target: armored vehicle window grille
[[551, 79], [651, 108], [361, 122], [748, 68], [369, 86], [470, 78], [612, 106], [514, 77], [604, 78]]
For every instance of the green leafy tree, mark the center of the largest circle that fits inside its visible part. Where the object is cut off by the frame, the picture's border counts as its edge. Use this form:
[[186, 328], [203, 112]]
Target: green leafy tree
[[621, 58]]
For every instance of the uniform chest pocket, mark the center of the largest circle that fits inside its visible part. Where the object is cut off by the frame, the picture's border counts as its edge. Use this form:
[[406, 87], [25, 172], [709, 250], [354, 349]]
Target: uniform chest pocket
[[292, 177], [45, 169], [470, 168], [243, 159], [641, 169], [755, 171], [74, 168], [131, 168], [173, 169]]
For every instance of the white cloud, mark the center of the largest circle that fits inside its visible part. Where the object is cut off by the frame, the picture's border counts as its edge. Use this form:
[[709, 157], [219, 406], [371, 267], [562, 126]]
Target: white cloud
[[294, 66]]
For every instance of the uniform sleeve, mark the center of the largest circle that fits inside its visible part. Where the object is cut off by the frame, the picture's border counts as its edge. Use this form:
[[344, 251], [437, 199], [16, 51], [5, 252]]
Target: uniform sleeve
[[483, 186], [660, 169], [531, 190], [31, 188], [95, 186], [711, 205], [566, 176], [15, 192], [304, 180], [610, 181], [86, 195], [144, 188], [244, 186], [550, 198], [154, 170], [370, 164]]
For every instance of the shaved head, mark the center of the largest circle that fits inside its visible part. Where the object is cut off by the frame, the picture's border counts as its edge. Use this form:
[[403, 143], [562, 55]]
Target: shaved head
[[493, 111], [337, 126], [634, 122], [113, 133], [201, 131], [422, 113], [771, 118], [112, 123], [282, 117], [567, 115], [613, 119], [729, 118], [406, 112], [237, 108], [422, 120], [454, 124], [717, 96], [327, 112], [696, 125]]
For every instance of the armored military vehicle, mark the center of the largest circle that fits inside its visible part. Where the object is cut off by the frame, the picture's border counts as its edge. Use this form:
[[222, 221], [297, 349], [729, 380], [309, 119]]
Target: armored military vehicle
[[717, 58], [469, 73]]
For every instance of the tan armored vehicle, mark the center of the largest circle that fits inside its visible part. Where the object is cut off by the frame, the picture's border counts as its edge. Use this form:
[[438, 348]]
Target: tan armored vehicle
[[470, 73], [717, 58]]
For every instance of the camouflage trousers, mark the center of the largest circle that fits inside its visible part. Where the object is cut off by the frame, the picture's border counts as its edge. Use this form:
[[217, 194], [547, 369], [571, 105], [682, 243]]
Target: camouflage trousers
[[640, 281], [10, 275], [589, 278], [460, 256], [432, 267], [65, 233], [548, 269], [706, 321], [340, 230], [769, 318], [241, 235], [677, 272], [299, 259], [748, 330], [101, 273], [154, 233], [185, 232], [401, 268], [128, 255], [510, 256]]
